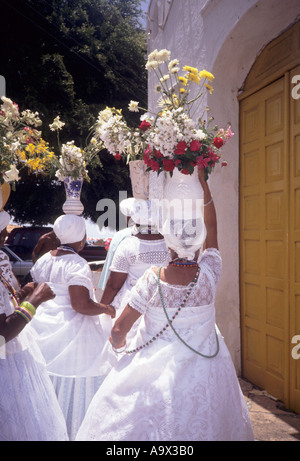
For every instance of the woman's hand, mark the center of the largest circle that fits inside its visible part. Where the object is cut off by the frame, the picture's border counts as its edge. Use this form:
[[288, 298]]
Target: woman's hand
[[27, 289], [109, 310], [41, 294]]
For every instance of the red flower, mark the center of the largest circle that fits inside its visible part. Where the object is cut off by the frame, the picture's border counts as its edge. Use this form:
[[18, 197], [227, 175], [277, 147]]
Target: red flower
[[144, 126], [218, 142], [154, 165], [157, 154], [195, 145], [181, 148], [169, 164], [118, 156], [185, 171], [224, 163]]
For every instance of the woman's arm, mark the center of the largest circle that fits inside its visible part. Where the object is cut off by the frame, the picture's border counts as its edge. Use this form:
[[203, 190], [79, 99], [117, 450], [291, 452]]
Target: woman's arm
[[12, 325], [82, 303], [210, 218], [123, 325], [113, 285]]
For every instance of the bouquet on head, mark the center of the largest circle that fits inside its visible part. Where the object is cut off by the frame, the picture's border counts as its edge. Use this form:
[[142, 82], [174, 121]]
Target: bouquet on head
[[21, 144], [175, 140], [117, 137], [72, 160]]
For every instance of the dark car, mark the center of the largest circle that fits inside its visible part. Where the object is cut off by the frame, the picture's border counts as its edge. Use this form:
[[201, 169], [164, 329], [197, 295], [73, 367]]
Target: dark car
[[22, 241], [21, 268]]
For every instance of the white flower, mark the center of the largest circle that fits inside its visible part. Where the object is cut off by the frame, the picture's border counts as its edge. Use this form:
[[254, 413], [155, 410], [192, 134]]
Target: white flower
[[57, 124], [12, 174], [133, 106]]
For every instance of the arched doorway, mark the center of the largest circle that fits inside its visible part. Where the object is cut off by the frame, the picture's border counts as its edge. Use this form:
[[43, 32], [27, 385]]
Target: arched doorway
[[270, 219]]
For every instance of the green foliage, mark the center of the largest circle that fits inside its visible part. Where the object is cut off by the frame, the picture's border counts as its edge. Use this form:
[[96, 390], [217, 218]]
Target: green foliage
[[72, 58]]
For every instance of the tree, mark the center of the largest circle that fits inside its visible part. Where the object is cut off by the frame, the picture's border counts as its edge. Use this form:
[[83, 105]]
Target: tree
[[72, 58]]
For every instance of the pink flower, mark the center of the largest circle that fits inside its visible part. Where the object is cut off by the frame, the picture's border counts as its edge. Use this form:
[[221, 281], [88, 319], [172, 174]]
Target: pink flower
[[228, 133], [195, 145], [203, 162]]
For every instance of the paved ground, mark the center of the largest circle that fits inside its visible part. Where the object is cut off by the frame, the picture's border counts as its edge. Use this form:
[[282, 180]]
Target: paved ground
[[270, 420]]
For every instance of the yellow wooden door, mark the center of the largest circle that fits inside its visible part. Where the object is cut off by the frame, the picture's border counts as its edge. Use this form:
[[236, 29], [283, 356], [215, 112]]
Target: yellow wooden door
[[264, 237], [270, 219]]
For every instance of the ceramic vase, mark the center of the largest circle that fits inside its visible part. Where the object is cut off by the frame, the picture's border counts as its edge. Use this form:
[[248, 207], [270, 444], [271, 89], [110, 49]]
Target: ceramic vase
[[139, 179], [73, 188]]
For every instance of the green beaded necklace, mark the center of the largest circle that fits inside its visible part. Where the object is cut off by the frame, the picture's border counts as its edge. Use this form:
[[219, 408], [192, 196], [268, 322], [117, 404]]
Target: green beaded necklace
[[169, 324]]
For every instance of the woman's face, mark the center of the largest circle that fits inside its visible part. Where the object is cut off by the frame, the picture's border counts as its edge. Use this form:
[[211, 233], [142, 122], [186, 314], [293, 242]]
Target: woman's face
[[3, 235]]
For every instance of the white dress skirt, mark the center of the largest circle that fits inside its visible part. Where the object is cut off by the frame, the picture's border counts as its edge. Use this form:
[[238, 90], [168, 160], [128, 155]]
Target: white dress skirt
[[75, 346], [29, 410], [166, 391]]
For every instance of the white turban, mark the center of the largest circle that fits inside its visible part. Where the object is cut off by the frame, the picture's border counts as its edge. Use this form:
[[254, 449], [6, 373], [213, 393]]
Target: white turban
[[4, 220], [69, 228], [184, 236], [143, 212]]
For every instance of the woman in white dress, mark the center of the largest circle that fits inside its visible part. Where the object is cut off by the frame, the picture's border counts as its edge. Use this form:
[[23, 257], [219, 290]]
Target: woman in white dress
[[71, 332], [172, 385], [137, 252], [29, 410]]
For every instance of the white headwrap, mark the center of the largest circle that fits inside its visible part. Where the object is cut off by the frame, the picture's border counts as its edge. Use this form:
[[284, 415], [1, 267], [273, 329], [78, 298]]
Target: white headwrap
[[143, 212], [69, 228], [184, 236], [4, 220]]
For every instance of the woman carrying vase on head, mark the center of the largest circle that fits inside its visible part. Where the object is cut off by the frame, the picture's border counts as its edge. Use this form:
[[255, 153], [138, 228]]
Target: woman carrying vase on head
[[176, 381], [72, 333]]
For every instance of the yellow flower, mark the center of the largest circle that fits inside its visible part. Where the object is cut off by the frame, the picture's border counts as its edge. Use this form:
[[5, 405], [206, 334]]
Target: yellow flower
[[209, 87], [183, 80], [194, 78], [205, 74], [191, 70], [182, 90]]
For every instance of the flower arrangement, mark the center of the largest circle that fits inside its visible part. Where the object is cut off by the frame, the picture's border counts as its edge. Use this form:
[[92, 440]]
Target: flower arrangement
[[174, 139], [72, 161], [21, 144], [112, 130]]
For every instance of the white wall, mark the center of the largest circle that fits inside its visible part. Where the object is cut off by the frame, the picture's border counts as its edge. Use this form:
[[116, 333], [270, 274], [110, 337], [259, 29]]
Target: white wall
[[224, 37]]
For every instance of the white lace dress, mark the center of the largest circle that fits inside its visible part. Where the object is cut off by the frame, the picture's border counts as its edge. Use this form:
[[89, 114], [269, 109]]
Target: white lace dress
[[166, 392], [133, 257], [75, 346], [29, 410]]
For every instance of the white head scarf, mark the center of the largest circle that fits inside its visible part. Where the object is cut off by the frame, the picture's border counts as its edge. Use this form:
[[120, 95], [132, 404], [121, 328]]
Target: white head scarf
[[142, 212], [69, 228], [4, 220], [184, 236]]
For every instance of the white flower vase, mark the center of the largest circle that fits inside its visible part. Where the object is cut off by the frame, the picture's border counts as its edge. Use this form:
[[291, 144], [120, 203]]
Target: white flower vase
[[139, 179], [184, 194], [73, 188]]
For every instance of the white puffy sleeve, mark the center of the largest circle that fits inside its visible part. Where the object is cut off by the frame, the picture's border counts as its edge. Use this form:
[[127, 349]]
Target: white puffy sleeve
[[79, 273], [143, 291], [212, 260], [120, 262]]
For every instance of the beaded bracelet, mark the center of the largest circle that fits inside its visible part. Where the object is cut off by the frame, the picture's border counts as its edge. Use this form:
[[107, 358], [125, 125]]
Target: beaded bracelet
[[24, 313], [28, 306], [26, 310], [209, 202]]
